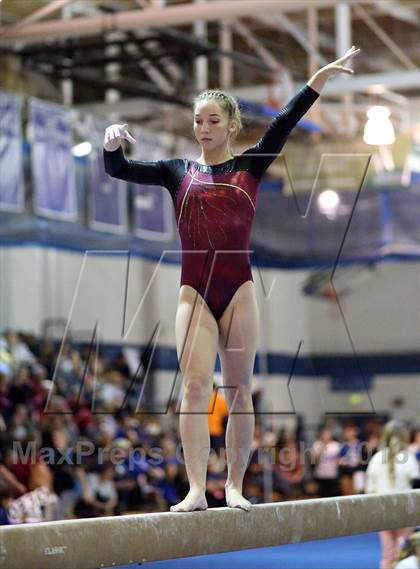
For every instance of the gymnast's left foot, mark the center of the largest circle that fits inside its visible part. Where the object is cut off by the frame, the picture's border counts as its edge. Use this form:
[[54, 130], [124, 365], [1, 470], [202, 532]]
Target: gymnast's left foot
[[234, 499], [195, 500]]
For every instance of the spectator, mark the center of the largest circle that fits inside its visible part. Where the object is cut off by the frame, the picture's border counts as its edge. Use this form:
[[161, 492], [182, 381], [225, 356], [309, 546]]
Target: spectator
[[148, 472], [350, 459], [5, 498], [6, 407], [18, 351], [253, 479], [129, 494], [64, 477], [5, 357], [392, 469], [46, 355], [218, 415], [415, 442], [6, 476], [129, 427], [82, 409], [173, 485], [415, 449], [27, 466], [410, 559], [326, 453], [111, 388], [21, 425], [20, 388], [99, 495], [215, 484], [169, 420], [120, 364], [289, 472]]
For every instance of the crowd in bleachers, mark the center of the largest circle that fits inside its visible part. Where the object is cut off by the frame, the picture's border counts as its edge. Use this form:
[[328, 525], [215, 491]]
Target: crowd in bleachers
[[72, 446]]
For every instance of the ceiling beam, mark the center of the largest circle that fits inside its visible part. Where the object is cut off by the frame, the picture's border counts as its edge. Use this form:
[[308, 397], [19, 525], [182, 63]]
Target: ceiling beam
[[167, 77], [397, 10], [384, 37], [406, 79], [255, 43], [297, 32], [281, 73], [40, 14], [225, 33], [169, 16], [363, 83], [325, 41]]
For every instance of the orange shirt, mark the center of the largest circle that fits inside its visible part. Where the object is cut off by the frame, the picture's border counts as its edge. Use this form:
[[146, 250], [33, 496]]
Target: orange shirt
[[218, 413]]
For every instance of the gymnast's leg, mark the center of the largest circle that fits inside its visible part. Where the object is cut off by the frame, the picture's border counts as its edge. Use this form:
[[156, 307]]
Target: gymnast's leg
[[197, 335], [238, 329]]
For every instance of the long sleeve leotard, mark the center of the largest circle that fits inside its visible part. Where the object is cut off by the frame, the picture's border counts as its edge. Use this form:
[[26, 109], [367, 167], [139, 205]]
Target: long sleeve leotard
[[215, 205]]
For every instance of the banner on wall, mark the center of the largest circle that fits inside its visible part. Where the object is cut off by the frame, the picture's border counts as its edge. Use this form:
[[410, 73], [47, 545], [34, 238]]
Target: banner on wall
[[153, 213], [11, 157], [52, 160], [107, 195]]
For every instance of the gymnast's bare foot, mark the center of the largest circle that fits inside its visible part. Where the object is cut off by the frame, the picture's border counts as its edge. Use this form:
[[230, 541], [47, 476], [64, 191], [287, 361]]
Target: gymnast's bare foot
[[194, 500], [234, 499]]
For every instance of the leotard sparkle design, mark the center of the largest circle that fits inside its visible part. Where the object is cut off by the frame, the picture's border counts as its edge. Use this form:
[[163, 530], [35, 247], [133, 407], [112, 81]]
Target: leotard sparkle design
[[215, 205]]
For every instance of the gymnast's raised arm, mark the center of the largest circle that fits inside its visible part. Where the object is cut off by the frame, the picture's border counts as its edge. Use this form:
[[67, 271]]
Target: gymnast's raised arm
[[117, 166], [276, 135]]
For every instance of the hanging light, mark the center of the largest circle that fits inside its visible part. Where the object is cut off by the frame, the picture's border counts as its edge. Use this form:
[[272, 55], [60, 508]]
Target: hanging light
[[378, 128], [328, 202], [82, 149]]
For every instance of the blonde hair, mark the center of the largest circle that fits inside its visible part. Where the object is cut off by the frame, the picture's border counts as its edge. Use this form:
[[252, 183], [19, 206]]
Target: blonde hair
[[394, 438], [227, 103]]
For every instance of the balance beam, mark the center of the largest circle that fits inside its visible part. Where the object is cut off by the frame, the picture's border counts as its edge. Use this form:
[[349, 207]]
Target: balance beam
[[137, 538]]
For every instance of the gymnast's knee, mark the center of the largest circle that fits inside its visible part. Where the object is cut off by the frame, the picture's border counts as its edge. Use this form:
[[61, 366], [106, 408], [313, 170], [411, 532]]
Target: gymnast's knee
[[240, 397], [197, 387]]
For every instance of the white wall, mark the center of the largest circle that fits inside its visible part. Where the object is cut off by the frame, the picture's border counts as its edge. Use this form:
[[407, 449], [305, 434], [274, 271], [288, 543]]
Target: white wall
[[381, 315]]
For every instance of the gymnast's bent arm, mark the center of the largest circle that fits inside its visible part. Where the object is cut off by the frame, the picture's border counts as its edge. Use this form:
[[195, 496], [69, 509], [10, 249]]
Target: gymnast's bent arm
[[276, 135], [117, 166]]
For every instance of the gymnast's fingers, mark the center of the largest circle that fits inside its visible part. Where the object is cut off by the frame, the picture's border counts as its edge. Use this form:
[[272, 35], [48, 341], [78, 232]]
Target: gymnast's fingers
[[129, 137]]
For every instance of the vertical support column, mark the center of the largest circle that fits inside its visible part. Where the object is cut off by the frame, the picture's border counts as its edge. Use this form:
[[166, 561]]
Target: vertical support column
[[5, 288], [67, 84], [201, 62], [226, 63], [313, 64], [343, 43], [166, 108], [113, 71]]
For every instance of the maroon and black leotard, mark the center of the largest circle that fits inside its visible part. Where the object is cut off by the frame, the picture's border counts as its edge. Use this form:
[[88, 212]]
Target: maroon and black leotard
[[215, 205]]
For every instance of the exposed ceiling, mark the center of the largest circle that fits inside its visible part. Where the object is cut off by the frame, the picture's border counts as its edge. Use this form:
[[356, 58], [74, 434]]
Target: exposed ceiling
[[95, 53]]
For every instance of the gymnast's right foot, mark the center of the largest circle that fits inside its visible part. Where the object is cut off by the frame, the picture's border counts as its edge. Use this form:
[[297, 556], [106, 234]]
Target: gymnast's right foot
[[194, 500]]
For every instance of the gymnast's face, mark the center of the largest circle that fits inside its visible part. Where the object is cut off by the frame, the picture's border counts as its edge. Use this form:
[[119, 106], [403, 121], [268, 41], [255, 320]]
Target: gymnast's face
[[211, 125]]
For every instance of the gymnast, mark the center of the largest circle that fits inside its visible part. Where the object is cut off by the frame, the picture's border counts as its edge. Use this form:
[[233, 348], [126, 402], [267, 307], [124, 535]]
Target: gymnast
[[214, 199]]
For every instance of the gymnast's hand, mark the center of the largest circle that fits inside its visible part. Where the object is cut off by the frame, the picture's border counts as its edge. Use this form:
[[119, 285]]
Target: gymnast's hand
[[113, 135], [318, 80], [338, 66]]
